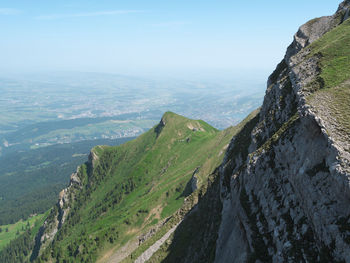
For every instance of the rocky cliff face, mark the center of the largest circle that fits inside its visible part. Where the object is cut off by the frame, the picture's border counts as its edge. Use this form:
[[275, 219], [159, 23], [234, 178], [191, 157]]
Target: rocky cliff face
[[59, 213], [285, 179]]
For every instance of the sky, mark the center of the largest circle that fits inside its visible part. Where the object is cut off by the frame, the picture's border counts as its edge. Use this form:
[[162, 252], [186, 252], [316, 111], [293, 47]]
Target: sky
[[151, 37]]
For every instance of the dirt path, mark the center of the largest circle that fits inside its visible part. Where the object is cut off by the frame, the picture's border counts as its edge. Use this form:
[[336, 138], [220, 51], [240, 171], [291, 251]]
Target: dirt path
[[154, 248], [122, 253]]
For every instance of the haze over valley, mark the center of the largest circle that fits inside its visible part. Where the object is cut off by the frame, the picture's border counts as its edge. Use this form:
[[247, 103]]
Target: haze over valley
[[45, 109]]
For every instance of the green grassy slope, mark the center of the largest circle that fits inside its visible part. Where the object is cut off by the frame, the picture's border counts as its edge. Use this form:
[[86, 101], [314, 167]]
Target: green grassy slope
[[11, 231], [334, 48], [135, 186], [332, 99], [18, 240]]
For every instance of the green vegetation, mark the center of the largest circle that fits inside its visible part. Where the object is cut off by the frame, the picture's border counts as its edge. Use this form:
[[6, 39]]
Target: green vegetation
[[136, 185], [30, 181], [10, 232], [190, 235], [334, 49], [333, 93], [20, 248]]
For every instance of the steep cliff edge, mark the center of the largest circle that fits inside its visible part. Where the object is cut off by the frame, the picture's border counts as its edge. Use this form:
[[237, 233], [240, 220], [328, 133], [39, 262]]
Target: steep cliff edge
[[285, 192], [58, 214]]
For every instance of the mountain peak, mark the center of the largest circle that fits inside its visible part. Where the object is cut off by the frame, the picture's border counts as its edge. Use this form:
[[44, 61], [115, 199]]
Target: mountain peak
[[316, 28], [170, 116], [173, 122]]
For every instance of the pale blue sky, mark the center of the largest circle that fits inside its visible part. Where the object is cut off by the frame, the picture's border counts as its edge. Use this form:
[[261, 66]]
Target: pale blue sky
[[140, 37]]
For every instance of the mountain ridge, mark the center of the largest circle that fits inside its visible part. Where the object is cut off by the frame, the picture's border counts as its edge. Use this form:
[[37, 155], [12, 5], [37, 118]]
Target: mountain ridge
[[274, 188], [171, 153]]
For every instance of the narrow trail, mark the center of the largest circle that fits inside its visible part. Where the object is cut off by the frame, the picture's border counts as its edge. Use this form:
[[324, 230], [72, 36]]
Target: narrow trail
[[121, 254], [154, 248]]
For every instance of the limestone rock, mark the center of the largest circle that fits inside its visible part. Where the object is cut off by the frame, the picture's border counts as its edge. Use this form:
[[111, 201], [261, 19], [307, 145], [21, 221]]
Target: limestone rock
[[288, 198]]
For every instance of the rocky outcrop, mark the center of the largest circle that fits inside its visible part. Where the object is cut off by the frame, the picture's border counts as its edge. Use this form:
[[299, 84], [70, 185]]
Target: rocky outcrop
[[58, 214], [160, 126], [194, 180], [287, 197], [145, 256], [195, 234], [60, 211], [93, 158], [316, 28]]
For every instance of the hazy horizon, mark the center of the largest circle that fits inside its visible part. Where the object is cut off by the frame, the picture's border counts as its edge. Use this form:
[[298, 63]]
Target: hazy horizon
[[151, 38]]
